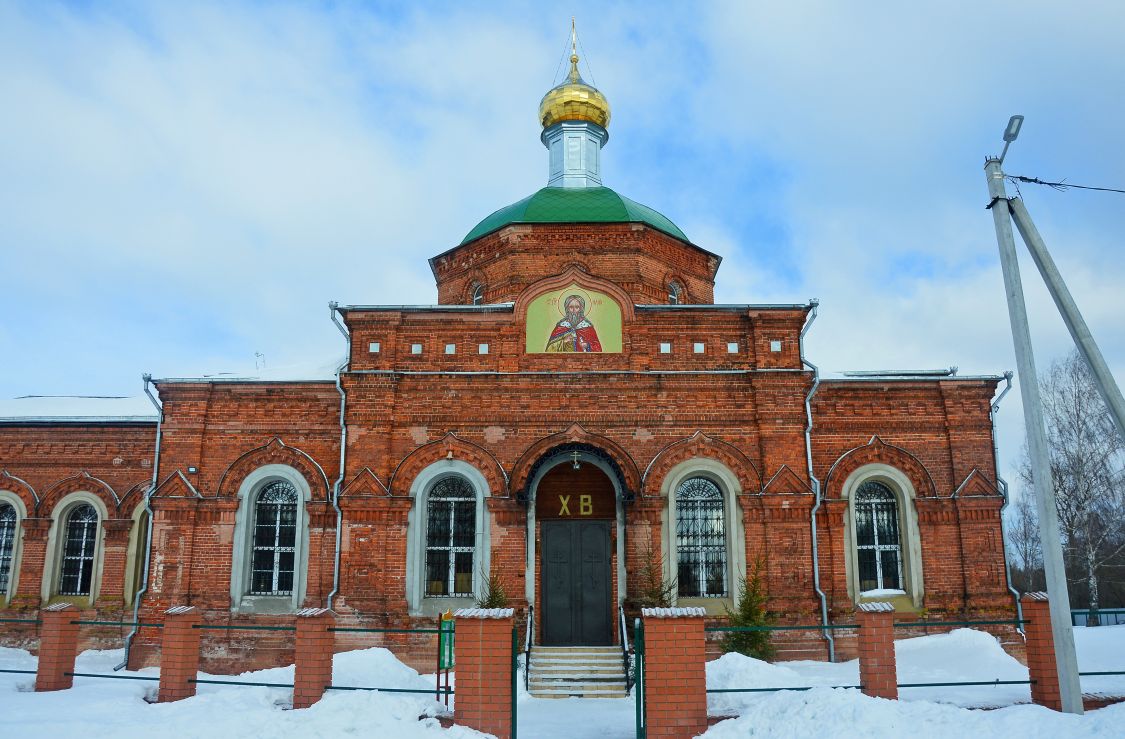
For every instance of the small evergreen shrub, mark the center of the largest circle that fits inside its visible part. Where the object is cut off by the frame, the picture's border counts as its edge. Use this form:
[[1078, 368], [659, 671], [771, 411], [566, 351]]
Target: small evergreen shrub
[[654, 590], [494, 594], [751, 611]]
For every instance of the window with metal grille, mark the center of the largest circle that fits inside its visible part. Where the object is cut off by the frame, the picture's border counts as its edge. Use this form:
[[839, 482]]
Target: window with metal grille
[[451, 529], [79, 542], [7, 543], [701, 541], [275, 540], [675, 293], [877, 539]]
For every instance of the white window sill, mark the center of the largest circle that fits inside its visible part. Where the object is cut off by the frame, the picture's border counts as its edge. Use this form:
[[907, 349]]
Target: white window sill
[[266, 604]]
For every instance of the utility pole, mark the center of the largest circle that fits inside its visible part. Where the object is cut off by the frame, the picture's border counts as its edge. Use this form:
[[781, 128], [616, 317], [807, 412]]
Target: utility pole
[[1065, 659], [1068, 309]]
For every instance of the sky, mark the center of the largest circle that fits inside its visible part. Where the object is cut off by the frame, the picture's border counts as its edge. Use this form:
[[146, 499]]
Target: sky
[[184, 186]]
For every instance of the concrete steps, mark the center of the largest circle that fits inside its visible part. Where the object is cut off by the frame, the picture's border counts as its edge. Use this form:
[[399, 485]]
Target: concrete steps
[[584, 672]]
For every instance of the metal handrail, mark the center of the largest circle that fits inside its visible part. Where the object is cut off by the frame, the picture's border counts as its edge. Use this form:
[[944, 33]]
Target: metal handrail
[[528, 638], [625, 649]]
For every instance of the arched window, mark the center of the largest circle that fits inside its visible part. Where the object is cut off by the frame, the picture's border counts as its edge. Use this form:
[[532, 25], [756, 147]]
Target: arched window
[[877, 541], [701, 542], [79, 543], [7, 545], [275, 540], [450, 537], [478, 294], [675, 293]]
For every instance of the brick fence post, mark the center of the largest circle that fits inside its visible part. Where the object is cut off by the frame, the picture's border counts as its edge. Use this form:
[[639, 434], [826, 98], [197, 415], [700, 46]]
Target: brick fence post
[[878, 673], [58, 646], [675, 675], [179, 653], [314, 650], [483, 652], [1041, 666]]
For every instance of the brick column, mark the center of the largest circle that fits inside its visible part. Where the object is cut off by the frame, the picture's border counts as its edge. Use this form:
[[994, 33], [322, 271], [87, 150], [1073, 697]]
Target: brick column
[[483, 654], [58, 646], [675, 686], [179, 653], [1041, 666], [315, 647], [878, 673]]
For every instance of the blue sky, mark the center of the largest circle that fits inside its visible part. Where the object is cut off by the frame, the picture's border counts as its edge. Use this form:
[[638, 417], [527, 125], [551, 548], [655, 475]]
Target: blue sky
[[187, 184]]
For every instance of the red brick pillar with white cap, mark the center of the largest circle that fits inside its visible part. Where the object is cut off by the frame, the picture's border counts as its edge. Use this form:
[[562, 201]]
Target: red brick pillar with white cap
[[315, 647], [878, 673], [179, 653], [675, 675], [482, 646], [1042, 669], [58, 647]]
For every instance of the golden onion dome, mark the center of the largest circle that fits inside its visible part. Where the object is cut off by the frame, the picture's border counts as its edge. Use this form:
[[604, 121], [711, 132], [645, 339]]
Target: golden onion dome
[[574, 100]]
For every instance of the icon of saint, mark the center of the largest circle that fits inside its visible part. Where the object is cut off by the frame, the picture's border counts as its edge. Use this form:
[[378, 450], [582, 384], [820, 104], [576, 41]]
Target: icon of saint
[[574, 333]]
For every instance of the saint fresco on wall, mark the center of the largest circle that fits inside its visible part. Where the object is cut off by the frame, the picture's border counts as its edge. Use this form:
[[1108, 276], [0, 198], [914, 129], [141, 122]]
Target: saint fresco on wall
[[573, 319]]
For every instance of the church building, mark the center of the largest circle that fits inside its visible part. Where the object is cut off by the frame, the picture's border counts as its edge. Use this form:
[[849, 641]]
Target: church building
[[575, 421]]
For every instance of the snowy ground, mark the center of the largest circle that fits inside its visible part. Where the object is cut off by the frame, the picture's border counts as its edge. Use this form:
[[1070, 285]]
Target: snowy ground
[[118, 708]]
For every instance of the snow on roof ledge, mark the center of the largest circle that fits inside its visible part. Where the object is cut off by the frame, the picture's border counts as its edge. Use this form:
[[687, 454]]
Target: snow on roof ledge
[[673, 612], [77, 409], [1035, 596], [878, 606], [484, 612]]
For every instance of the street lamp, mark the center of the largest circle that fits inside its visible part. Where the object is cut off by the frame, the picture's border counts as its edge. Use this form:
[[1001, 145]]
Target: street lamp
[[1011, 133]]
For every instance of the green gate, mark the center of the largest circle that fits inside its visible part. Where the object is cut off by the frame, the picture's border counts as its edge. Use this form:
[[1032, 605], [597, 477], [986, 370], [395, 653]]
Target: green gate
[[639, 677]]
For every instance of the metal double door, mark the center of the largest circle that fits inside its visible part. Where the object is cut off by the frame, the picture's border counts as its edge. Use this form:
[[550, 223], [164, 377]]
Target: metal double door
[[577, 582]]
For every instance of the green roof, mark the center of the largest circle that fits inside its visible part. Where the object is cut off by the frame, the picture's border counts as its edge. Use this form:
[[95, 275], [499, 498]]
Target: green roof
[[575, 205]]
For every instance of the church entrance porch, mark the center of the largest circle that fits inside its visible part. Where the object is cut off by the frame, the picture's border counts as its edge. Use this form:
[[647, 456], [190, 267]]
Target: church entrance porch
[[574, 552], [577, 574]]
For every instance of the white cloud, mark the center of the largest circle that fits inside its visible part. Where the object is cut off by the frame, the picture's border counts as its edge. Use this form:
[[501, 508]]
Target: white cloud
[[186, 185]]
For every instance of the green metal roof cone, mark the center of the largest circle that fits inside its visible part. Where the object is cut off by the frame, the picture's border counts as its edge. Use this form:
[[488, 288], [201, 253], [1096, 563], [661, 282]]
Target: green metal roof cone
[[575, 205]]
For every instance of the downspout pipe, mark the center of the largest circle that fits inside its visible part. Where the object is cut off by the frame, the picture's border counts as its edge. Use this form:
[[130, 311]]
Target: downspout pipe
[[814, 304], [332, 308], [148, 529], [993, 409]]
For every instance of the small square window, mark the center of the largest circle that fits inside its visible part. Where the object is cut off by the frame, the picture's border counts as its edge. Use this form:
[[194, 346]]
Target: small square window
[[775, 345], [665, 347], [415, 348], [374, 347], [450, 348], [732, 347], [482, 348], [698, 347]]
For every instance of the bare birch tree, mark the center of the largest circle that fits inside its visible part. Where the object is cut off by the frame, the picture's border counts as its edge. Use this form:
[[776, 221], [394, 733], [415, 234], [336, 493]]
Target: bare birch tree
[[1088, 464]]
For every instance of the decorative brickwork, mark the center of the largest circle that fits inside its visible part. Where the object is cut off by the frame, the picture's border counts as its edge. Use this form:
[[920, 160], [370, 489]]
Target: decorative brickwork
[[504, 411], [675, 673], [483, 644]]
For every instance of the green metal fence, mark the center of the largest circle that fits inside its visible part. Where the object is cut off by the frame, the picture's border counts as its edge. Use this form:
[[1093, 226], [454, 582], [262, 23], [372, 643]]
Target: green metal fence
[[639, 677]]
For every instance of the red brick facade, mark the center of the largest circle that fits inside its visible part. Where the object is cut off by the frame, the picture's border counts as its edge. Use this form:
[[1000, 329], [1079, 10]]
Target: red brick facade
[[735, 408]]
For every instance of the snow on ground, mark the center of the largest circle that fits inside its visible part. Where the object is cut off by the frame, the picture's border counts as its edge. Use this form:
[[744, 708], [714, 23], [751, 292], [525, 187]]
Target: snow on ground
[[117, 707]]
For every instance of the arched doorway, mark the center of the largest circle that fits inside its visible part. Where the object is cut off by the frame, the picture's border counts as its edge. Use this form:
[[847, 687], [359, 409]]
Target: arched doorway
[[576, 527]]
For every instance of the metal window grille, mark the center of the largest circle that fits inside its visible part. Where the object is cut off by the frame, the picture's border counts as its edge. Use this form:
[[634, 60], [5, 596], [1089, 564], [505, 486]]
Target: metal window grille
[[478, 294], [675, 293], [451, 524], [7, 543], [80, 540], [701, 542], [877, 538], [275, 540]]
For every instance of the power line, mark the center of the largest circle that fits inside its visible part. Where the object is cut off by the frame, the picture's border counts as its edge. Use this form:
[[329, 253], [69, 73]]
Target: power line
[[1061, 186]]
